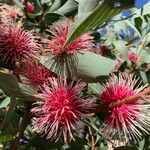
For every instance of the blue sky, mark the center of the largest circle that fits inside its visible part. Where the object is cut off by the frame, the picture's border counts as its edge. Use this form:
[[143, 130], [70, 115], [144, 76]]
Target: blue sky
[[140, 3]]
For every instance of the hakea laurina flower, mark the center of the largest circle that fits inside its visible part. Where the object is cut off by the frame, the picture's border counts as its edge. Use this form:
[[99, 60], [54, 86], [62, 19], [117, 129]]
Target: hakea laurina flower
[[30, 7], [61, 111], [133, 57], [127, 121], [16, 44], [36, 74], [65, 56], [10, 11], [59, 31]]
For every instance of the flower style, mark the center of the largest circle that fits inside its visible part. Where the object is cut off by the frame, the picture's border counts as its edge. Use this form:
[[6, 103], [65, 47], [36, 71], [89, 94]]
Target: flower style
[[127, 121], [36, 73], [61, 111], [16, 44], [133, 57]]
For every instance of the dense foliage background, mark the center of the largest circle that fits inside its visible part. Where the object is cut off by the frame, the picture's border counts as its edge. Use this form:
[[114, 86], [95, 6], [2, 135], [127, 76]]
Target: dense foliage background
[[121, 43]]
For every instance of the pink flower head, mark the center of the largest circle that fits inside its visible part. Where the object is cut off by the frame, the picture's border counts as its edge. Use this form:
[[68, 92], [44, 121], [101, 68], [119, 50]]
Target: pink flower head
[[61, 111], [133, 57], [59, 31], [36, 73], [30, 7], [129, 120], [16, 45], [10, 11], [64, 59]]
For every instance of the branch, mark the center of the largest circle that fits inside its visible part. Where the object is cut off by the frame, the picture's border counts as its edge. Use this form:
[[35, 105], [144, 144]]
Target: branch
[[92, 139]]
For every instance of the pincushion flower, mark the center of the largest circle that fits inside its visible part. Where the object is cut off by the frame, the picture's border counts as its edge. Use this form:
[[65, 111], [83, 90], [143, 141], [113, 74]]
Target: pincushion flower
[[127, 121], [65, 55], [61, 111], [16, 44], [36, 74]]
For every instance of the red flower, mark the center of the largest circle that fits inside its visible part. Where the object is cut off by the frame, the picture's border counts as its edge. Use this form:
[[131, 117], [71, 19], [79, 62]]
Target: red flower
[[16, 44], [30, 7], [61, 111], [133, 57], [127, 121], [59, 31], [64, 59], [36, 73]]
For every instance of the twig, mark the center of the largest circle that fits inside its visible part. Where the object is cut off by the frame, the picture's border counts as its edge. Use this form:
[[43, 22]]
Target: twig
[[131, 99], [92, 139]]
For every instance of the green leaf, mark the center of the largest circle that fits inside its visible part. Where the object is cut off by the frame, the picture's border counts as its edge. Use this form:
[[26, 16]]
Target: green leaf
[[18, 4], [8, 82], [8, 135], [15, 120], [5, 137], [26, 93], [141, 144], [57, 4], [5, 102], [78, 144], [126, 148], [40, 142], [92, 67], [69, 7], [97, 17], [51, 17], [138, 23], [86, 6]]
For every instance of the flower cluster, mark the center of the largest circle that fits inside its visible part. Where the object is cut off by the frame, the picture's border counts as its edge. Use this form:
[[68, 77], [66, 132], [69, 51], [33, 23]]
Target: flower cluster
[[62, 109]]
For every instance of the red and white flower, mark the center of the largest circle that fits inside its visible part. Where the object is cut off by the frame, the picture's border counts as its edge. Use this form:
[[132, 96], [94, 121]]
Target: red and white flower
[[61, 111], [128, 121], [16, 44], [59, 32]]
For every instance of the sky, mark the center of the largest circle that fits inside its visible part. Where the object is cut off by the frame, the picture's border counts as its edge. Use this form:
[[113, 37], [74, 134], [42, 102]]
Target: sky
[[138, 4], [141, 3]]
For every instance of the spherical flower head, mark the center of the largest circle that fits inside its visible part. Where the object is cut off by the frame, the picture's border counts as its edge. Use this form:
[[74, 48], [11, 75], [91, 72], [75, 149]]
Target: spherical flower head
[[10, 11], [16, 44], [36, 74], [61, 111], [129, 120], [59, 32], [133, 57], [30, 7]]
